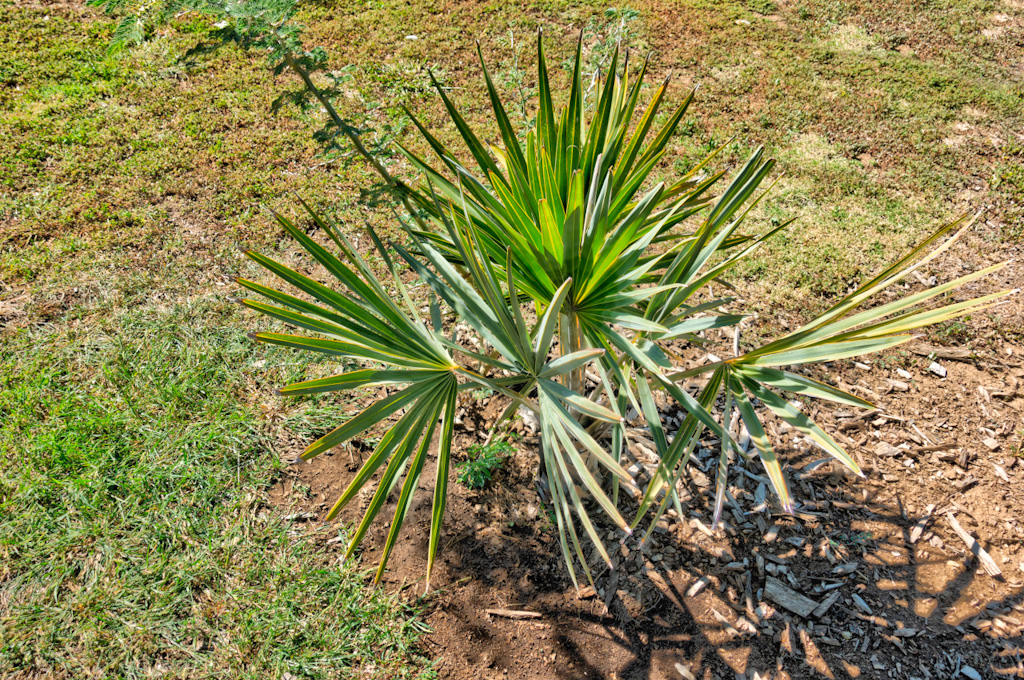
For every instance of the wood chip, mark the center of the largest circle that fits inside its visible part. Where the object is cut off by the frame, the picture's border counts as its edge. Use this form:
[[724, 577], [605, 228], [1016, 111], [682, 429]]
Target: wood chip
[[991, 443], [969, 672], [782, 595], [825, 605], [877, 620], [685, 672], [987, 563], [952, 353], [697, 524], [861, 604], [698, 585], [726, 624], [965, 484], [886, 450], [746, 626], [513, 614], [918, 529], [936, 447]]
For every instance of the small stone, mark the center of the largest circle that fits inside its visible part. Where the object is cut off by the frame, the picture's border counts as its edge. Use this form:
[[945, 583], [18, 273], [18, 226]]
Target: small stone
[[530, 420], [904, 374], [938, 369]]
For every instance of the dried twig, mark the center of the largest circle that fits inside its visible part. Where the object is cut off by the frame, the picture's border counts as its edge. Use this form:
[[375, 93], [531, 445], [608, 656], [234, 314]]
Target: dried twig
[[513, 613], [987, 563]]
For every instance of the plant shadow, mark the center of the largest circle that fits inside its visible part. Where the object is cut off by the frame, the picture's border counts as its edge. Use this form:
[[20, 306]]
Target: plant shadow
[[921, 608]]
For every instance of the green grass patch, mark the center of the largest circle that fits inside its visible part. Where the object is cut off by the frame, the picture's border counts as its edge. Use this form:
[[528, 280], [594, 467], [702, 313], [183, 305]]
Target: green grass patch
[[134, 537]]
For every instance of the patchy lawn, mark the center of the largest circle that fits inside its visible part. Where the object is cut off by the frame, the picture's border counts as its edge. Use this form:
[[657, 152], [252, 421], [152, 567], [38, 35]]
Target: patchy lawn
[[140, 431]]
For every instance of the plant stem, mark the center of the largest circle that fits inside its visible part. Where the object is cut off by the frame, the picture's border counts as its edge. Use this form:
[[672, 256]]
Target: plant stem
[[570, 340]]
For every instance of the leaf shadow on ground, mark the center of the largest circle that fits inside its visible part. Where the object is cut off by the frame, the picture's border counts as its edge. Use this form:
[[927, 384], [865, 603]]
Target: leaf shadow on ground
[[923, 599]]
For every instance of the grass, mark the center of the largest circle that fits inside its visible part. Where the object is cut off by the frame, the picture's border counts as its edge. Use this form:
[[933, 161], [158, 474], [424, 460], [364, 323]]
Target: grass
[[883, 130], [134, 538], [139, 424]]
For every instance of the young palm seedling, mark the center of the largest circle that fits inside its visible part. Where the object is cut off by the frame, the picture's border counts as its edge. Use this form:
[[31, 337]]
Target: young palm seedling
[[581, 278]]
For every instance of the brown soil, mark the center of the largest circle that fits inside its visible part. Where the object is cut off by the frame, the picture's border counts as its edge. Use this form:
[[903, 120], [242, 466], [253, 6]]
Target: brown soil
[[925, 610]]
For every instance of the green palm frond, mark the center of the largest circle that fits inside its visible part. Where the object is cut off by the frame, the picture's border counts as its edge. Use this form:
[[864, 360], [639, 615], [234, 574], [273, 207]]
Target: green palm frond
[[569, 229]]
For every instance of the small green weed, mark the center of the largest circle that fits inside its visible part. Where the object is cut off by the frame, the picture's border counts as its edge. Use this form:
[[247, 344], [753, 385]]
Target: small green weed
[[484, 459], [763, 6], [952, 332]]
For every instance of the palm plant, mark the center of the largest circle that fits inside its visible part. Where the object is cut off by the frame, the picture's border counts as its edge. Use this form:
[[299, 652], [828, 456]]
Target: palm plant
[[580, 277]]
